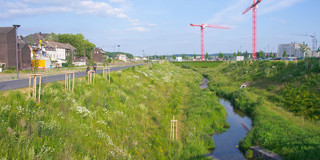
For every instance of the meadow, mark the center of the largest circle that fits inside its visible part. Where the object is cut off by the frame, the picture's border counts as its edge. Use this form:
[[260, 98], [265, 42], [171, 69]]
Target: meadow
[[282, 100], [128, 118]]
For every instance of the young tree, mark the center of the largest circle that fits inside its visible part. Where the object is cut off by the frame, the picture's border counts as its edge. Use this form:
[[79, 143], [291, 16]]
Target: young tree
[[260, 54], [52, 37], [285, 54], [234, 54], [69, 59], [304, 48], [207, 56], [194, 56], [220, 55], [246, 55], [184, 56], [239, 53], [174, 57]]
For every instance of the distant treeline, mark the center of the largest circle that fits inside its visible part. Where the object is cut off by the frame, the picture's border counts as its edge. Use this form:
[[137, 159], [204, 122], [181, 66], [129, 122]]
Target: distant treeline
[[114, 54]]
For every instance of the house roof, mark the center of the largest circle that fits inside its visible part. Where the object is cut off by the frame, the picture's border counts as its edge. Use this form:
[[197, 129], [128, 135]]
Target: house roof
[[53, 44], [35, 37], [99, 50], [5, 30]]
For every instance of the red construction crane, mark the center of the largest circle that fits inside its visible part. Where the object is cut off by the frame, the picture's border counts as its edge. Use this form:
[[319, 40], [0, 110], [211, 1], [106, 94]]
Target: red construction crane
[[203, 26], [254, 36]]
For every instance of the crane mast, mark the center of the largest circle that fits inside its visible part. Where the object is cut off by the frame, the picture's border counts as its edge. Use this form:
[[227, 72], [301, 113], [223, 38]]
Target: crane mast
[[254, 21], [202, 27]]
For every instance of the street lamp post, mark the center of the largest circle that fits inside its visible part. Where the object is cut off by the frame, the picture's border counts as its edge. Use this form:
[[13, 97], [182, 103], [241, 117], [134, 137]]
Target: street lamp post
[[16, 26]]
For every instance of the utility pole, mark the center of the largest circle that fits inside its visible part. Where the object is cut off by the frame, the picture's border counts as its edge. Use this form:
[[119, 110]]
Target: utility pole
[[16, 26]]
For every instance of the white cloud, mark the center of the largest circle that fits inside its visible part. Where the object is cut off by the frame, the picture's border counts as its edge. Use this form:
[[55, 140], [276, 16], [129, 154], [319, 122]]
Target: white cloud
[[138, 29], [98, 8], [118, 1], [31, 11], [28, 7]]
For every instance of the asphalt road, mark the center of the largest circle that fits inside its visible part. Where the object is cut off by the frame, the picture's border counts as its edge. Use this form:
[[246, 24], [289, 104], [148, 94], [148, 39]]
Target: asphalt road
[[22, 83]]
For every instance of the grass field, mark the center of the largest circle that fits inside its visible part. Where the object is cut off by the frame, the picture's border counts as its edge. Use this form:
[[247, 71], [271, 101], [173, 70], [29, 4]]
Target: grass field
[[126, 119]]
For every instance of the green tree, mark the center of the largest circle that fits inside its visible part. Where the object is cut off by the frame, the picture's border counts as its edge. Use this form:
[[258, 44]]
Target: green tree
[[106, 61], [246, 55], [207, 56], [69, 59], [260, 54], [304, 48], [174, 57], [239, 53], [52, 37], [194, 56], [285, 54], [114, 54], [271, 55], [79, 42], [184, 56], [220, 55], [234, 54]]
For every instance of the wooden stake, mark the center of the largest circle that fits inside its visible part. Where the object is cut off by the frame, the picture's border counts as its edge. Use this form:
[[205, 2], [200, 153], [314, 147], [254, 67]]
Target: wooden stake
[[29, 86], [34, 87], [39, 89], [174, 129], [108, 72], [67, 81], [91, 77], [73, 83], [34, 91]]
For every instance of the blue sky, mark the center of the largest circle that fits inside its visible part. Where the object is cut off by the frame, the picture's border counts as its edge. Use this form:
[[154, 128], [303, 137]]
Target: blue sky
[[162, 26]]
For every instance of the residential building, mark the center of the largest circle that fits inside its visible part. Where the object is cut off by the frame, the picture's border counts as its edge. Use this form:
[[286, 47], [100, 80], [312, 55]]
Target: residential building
[[122, 57], [8, 46], [98, 55], [292, 49], [24, 54], [56, 51], [238, 58], [179, 59], [8, 49]]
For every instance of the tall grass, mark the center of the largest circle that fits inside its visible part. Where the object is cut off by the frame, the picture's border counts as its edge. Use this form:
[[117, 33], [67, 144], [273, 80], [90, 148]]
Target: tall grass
[[126, 119]]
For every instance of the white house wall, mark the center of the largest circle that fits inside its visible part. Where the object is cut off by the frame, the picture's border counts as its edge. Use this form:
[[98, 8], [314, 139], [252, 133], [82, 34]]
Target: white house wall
[[58, 54]]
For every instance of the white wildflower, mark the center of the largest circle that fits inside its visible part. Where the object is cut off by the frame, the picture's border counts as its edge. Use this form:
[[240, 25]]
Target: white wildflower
[[83, 110]]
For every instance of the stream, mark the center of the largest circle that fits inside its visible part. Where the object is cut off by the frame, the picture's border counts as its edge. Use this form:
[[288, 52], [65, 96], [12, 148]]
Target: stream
[[226, 143]]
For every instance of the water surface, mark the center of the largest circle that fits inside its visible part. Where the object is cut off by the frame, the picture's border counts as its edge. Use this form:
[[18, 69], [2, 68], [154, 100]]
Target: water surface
[[226, 143]]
